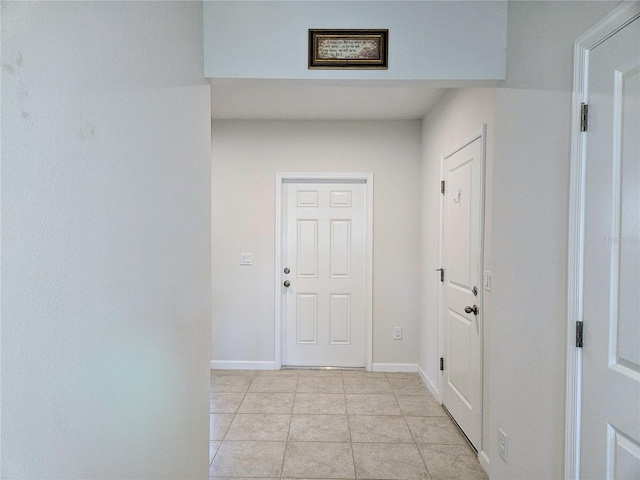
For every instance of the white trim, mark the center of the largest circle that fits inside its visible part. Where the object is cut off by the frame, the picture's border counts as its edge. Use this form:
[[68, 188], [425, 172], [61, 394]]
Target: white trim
[[483, 458], [480, 133], [429, 384], [616, 20], [241, 365], [367, 178], [395, 367], [440, 388]]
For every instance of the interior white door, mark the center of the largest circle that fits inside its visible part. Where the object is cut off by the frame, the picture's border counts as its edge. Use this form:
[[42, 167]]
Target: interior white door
[[324, 252], [610, 424], [462, 263]]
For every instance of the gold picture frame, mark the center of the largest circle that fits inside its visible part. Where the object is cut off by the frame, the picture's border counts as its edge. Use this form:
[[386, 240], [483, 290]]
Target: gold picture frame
[[348, 49]]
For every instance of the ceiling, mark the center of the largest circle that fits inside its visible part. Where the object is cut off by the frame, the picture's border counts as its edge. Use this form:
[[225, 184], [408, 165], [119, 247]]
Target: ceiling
[[265, 99]]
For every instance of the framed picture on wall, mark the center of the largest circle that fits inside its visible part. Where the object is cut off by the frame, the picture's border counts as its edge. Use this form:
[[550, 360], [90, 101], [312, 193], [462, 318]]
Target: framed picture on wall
[[348, 49]]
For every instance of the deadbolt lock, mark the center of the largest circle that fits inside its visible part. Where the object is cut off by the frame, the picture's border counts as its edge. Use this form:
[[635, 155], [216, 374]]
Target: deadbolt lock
[[286, 270]]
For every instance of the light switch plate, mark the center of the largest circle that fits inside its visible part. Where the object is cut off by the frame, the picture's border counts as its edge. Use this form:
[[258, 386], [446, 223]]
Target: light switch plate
[[487, 280], [245, 259]]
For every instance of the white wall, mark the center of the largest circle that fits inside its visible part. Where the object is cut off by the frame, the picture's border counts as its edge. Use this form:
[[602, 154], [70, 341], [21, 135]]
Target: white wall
[[105, 241], [455, 117], [530, 198], [246, 155], [433, 40]]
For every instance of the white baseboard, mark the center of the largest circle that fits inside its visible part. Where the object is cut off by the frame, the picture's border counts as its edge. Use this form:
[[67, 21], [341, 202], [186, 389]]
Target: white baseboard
[[430, 385], [240, 365], [394, 367], [484, 461]]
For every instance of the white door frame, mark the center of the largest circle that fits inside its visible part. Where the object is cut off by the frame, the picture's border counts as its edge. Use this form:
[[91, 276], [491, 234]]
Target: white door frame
[[367, 179], [609, 25], [482, 134]]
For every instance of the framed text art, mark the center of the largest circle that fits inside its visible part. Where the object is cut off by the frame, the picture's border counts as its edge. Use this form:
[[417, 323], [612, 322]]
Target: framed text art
[[350, 49]]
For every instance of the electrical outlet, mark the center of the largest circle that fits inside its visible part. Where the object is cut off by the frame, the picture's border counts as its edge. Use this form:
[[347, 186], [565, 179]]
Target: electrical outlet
[[397, 333], [245, 259], [503, 445]]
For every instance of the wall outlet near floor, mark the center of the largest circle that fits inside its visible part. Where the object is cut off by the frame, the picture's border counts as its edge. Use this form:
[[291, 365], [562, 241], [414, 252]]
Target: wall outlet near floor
[[397, 333], [503, 445]]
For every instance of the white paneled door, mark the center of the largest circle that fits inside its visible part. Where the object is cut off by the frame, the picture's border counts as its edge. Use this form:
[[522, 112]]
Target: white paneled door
[[610, 425], [462, 263], [323, 287]]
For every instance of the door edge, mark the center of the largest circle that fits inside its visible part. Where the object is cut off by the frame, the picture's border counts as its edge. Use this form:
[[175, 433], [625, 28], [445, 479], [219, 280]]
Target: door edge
[[617, 19]]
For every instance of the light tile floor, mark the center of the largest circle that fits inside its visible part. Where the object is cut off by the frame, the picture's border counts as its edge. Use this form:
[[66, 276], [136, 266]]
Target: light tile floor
[[313, 424]]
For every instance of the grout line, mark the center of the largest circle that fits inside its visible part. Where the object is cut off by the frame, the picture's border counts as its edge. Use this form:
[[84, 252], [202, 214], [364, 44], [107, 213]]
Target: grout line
[[347, 414]]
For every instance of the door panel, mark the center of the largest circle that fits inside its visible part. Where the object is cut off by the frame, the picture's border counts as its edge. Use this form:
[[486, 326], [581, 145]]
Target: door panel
[[460, 333], [307, 254], [307, 321], [610, 425], [462, 262], [459, 235], [341, 248], [340, 319], [324, 306]]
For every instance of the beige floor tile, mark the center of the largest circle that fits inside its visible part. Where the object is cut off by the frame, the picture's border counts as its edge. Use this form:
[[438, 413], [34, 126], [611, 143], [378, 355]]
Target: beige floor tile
[[267, 403], [388, 461], [435, 430], [259, 427], [213, 449], [225, 402], [372, 405], [248, 459], [319, 428], [244, 478], [320, 373], [284, 384], [452, 462], [379, 429], [411, 375], [408, 386], [318, 460], [276, 373], [420, 406], [366, 385], [219, 424], [230, 383], [229, 373], [320, 403], [320, 385], [363, 373]]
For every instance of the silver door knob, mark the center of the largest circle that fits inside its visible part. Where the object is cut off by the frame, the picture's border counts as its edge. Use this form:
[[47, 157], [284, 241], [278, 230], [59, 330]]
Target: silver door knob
[[287, 283], [473, 309]]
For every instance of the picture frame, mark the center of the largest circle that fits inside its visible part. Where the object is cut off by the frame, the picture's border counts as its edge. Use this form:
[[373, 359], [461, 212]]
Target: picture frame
[[348, 49]]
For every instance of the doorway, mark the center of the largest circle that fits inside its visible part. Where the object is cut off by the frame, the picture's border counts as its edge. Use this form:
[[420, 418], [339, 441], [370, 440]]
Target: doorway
[[323, 274], [462, 230], [603, 390]]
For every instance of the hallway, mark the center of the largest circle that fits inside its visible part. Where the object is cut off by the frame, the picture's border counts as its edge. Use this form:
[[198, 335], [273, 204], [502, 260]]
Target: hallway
[[332, 424]]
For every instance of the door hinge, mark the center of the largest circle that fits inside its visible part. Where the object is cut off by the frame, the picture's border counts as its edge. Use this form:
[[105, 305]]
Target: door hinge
[[579, 334], [441, 270], [442, 187], [584, 117], [441, 364]]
